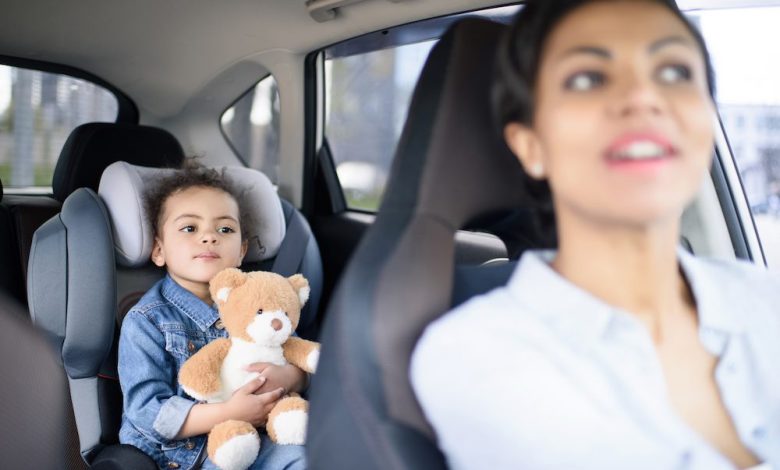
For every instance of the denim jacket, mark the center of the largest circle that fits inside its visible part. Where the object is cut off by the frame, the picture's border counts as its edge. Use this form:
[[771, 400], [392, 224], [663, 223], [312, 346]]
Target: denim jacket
[[168, 325]]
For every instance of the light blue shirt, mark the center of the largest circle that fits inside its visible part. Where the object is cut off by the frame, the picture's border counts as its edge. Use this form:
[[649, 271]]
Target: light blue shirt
[[540, 374]]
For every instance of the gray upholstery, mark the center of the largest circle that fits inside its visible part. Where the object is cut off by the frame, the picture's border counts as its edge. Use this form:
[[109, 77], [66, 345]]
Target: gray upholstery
[[33, 398], [71, 288], [78, 293], [450, 168]]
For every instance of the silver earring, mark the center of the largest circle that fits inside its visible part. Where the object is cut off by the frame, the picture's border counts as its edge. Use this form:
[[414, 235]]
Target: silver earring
[[537, 170]]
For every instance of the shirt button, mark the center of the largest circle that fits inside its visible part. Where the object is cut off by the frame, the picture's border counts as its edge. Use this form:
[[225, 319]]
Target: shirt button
[[173, 465], [190, 347], [219, 325], [189, 445]]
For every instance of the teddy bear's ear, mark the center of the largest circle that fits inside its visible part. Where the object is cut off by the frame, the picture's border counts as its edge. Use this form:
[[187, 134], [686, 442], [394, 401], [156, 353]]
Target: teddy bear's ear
[[224, 282], [301, 286]]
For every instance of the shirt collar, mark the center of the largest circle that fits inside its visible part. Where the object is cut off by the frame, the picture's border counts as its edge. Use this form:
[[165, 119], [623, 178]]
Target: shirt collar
[[584, 318], [203, 315]]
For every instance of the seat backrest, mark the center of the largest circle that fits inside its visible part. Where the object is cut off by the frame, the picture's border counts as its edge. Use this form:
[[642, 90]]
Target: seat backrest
[[450, 168], [90, 262], [33, 397], [89, 149]]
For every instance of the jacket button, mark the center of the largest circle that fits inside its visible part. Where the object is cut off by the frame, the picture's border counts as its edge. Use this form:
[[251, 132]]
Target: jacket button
[[191, 347], [189, 445], [219, 325], [173, 465]]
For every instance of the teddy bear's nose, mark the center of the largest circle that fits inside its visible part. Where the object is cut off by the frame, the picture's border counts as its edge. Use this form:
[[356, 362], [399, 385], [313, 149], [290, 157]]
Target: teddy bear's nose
[[276, 324]]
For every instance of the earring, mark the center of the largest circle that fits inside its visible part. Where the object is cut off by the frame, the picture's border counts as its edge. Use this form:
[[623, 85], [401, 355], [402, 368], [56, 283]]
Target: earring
[[536, 170]]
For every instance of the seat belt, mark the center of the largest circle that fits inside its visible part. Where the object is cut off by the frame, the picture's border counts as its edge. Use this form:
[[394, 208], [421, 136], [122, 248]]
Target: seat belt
[[290, 256]]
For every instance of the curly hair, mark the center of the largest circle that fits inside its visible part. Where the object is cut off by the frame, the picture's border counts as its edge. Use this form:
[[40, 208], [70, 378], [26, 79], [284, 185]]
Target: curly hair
[[191, 176]]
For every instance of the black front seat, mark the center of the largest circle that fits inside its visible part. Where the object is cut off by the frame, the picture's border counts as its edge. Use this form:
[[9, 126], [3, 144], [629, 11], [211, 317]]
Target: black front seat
[[450, 169]]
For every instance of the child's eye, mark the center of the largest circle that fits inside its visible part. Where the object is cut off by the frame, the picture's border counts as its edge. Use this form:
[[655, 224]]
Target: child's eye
[[584, 81], [673, 73], [187, 229], [225, 230]]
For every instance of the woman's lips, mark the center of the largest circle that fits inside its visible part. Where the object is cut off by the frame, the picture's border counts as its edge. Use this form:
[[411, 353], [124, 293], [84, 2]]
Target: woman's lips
[[636, 147]]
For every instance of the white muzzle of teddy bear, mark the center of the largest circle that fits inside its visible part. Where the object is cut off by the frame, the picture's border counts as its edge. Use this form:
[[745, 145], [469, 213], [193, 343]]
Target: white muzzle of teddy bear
[[270, 328]]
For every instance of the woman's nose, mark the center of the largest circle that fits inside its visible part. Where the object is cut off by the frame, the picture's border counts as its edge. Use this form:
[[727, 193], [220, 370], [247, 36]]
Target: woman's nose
[[638, 96]]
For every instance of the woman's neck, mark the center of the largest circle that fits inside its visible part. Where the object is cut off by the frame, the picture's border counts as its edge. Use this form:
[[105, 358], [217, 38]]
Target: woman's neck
[[634, 269]]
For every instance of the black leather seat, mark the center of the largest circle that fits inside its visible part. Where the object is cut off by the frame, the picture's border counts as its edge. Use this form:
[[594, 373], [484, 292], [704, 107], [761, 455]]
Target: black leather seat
[[451, 170], [33, 394]]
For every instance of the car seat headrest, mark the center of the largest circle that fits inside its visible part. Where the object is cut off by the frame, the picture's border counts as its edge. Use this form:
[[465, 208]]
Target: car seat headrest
[[123, 188], [92, 147]]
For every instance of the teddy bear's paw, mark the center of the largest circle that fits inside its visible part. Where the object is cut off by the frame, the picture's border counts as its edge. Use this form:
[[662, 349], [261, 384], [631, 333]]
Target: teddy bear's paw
[[238, 453], [289, 427], [313, 359], [233, 445]]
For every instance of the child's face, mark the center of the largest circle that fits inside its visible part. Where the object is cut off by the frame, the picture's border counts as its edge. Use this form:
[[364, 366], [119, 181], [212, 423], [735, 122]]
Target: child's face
[[623, 124], [199, 236]]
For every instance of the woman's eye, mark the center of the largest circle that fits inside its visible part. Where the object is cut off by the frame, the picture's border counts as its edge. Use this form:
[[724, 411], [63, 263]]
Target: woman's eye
[[225, 230], [584, 81], [187, 229], [673, 73]]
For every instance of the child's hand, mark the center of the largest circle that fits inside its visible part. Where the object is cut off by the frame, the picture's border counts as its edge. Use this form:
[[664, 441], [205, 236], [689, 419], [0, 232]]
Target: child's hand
[[289, 377], [249, 404]]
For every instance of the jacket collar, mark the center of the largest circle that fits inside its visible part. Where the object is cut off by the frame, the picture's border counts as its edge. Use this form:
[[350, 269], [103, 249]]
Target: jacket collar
[[203, 315]]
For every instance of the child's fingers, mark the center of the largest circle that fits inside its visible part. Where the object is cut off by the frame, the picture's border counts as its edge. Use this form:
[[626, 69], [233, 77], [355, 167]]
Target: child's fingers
[[252, 386], [258, 367], [272, 396]]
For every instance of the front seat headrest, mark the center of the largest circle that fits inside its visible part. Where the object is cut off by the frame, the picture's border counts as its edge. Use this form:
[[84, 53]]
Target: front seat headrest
[[123, 188], [92, 147]]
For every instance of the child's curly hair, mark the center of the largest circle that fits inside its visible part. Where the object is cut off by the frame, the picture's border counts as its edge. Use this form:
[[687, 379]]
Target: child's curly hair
[[192, 175]]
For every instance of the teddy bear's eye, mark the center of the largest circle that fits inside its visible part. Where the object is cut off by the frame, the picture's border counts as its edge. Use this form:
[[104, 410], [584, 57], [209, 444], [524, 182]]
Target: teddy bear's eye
[[259, 311]]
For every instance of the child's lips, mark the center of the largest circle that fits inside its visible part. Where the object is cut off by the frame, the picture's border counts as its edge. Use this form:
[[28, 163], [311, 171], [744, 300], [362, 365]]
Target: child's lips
[[207, 255]]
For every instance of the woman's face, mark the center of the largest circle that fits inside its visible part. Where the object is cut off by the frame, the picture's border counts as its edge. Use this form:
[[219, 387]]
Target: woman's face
[[623, 124]]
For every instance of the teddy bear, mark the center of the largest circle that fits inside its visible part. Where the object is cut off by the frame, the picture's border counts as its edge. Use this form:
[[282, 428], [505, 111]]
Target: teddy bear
[[260, 310]]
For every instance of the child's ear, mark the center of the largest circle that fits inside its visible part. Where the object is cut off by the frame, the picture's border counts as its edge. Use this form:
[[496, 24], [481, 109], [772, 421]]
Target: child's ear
[[524, 143], [244, 248], [158, 257]]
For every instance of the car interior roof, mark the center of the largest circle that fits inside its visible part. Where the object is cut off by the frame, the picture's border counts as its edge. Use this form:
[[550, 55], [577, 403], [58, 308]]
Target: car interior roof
[[163, 53]]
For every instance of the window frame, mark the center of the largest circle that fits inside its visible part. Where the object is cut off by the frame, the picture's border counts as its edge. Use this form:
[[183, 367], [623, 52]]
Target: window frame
[[127, 111]]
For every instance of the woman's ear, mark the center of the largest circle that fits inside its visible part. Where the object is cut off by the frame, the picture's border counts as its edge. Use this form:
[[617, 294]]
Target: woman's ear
[[158, 257], [522, 141]]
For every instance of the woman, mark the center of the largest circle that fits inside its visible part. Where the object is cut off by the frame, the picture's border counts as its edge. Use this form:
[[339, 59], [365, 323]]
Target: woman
[[618, 350]]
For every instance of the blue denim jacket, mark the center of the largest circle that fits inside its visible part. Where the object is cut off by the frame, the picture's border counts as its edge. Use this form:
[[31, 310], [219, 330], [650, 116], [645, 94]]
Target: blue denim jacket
[[167, 326]]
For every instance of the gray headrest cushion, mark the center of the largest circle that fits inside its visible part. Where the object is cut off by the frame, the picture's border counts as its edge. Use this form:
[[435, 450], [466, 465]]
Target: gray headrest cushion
[[123, 188]]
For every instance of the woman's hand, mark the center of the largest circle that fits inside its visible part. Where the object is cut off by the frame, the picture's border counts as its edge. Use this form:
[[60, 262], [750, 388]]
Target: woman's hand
[[289, 377]]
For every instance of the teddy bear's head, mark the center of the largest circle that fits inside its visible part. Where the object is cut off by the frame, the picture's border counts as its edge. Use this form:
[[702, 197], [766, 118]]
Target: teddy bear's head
[[261, 307]]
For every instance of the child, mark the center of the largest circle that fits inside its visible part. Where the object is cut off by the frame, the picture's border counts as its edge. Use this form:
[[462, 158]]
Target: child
[[196, 221]]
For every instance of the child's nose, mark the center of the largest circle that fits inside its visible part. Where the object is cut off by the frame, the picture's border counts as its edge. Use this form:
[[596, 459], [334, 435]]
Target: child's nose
[[209, 237]]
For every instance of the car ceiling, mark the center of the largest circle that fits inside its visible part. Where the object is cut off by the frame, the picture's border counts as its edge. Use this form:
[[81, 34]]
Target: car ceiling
[[163, 52]]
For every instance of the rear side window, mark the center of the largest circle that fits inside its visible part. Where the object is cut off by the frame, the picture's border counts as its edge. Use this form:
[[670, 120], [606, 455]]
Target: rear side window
[[38, 110], [741, 42], [251, 126], [369, 83]]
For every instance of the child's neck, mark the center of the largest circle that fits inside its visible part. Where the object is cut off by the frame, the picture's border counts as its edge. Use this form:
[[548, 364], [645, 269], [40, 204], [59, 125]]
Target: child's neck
[[198, 289]]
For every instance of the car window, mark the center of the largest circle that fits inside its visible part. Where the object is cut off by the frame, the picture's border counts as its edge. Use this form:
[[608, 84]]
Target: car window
[[368, 86], [38, 110], [748, 98], [251, 126]]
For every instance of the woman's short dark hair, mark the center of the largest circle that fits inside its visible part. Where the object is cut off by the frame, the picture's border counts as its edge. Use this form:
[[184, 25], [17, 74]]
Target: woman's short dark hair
[[520, 52], [517, 72], [191, 176]]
